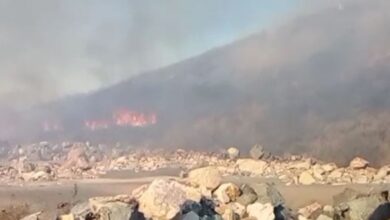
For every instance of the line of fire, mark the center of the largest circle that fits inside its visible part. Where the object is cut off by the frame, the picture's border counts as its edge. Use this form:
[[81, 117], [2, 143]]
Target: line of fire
[[123, 117]]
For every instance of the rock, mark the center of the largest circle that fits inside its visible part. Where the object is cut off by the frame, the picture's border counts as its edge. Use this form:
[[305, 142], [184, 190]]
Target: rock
[[266, 193], [208, 177], [81, 210], [230, 215], [190, 216], [66, 217], [248, 195], [77, 157], [233, 153], [354, 205], [113, 208], [329, 210], [336, 174], [255, 167], [257, 152], [301, 165], [34, 216], [261, 211], [306, 178], [239, 209], [311, 211], [227, 192], [318, 172], [358, 163], [324, 217], [382, 173], [163, 199], [329, 167]]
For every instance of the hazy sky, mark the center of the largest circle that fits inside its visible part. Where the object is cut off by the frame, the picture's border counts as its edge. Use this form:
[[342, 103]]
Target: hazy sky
[[52, 48]]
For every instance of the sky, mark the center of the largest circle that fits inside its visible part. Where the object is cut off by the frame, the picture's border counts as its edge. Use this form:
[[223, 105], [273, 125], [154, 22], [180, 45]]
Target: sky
[[51, 49]]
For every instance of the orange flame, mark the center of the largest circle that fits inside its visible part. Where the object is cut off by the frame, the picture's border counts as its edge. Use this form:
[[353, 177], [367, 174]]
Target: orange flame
[[125, 117]]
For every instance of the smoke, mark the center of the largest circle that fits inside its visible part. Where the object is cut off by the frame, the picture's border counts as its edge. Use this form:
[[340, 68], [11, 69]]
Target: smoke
[[317, 84], [50, 49]]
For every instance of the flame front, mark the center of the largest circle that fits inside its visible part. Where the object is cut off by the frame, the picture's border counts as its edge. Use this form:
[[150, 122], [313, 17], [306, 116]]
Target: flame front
[[126, 118]]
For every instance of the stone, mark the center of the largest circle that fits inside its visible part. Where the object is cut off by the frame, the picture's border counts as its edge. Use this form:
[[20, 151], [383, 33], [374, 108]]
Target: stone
[[233, 153], [301, 165], [163, 199], [248, 195], [229, 214], [324, 217], [112, 208], [267, 193], [382, 173], [208, 177], [255, 167], [318, 172], [329, 210], [329, 167], [190, 216], [34, 216], [81, 210], [257, 152], [306, 178], [261, 211], [239, 209], [66, 217], [354, 205], [227, 192], [358, 163], [311, 210]]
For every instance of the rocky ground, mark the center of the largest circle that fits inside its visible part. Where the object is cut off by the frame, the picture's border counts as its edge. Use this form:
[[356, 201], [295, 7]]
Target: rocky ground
[[210, 185]]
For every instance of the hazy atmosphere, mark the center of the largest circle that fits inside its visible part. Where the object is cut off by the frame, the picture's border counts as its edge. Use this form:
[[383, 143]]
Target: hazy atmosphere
[[50, 48]]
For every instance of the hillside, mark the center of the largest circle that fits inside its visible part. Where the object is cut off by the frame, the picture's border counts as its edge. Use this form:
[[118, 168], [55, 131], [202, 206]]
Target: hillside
[[319, 84]]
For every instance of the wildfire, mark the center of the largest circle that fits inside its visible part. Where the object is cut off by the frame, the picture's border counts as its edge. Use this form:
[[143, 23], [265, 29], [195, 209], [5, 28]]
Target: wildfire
[[122, 118], [125, 117]]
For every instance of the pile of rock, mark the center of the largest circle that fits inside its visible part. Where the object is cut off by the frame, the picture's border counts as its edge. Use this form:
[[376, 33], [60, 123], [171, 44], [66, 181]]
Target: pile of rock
[[200, 196]]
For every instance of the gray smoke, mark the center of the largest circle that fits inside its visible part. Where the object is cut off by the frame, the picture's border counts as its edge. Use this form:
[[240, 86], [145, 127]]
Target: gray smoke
[[51, 48]]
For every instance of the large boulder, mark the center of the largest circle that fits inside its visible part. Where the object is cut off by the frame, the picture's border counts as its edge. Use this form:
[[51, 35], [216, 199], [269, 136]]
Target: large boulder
[[163, 199], [257, 152], [358, 163], [254, 167], [353, 205], [208, 177]]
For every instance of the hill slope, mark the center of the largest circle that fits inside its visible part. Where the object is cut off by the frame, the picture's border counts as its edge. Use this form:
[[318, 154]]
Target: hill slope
[[319, 84]]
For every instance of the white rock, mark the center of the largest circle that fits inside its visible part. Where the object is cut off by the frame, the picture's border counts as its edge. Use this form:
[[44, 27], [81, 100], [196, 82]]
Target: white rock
[[233, 153], [208, 177], [255, 167], [306, 178], [358, 163], [329, 167], [260, 211], [163, 199], [238, 209], [309, 210], [324, 217]]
